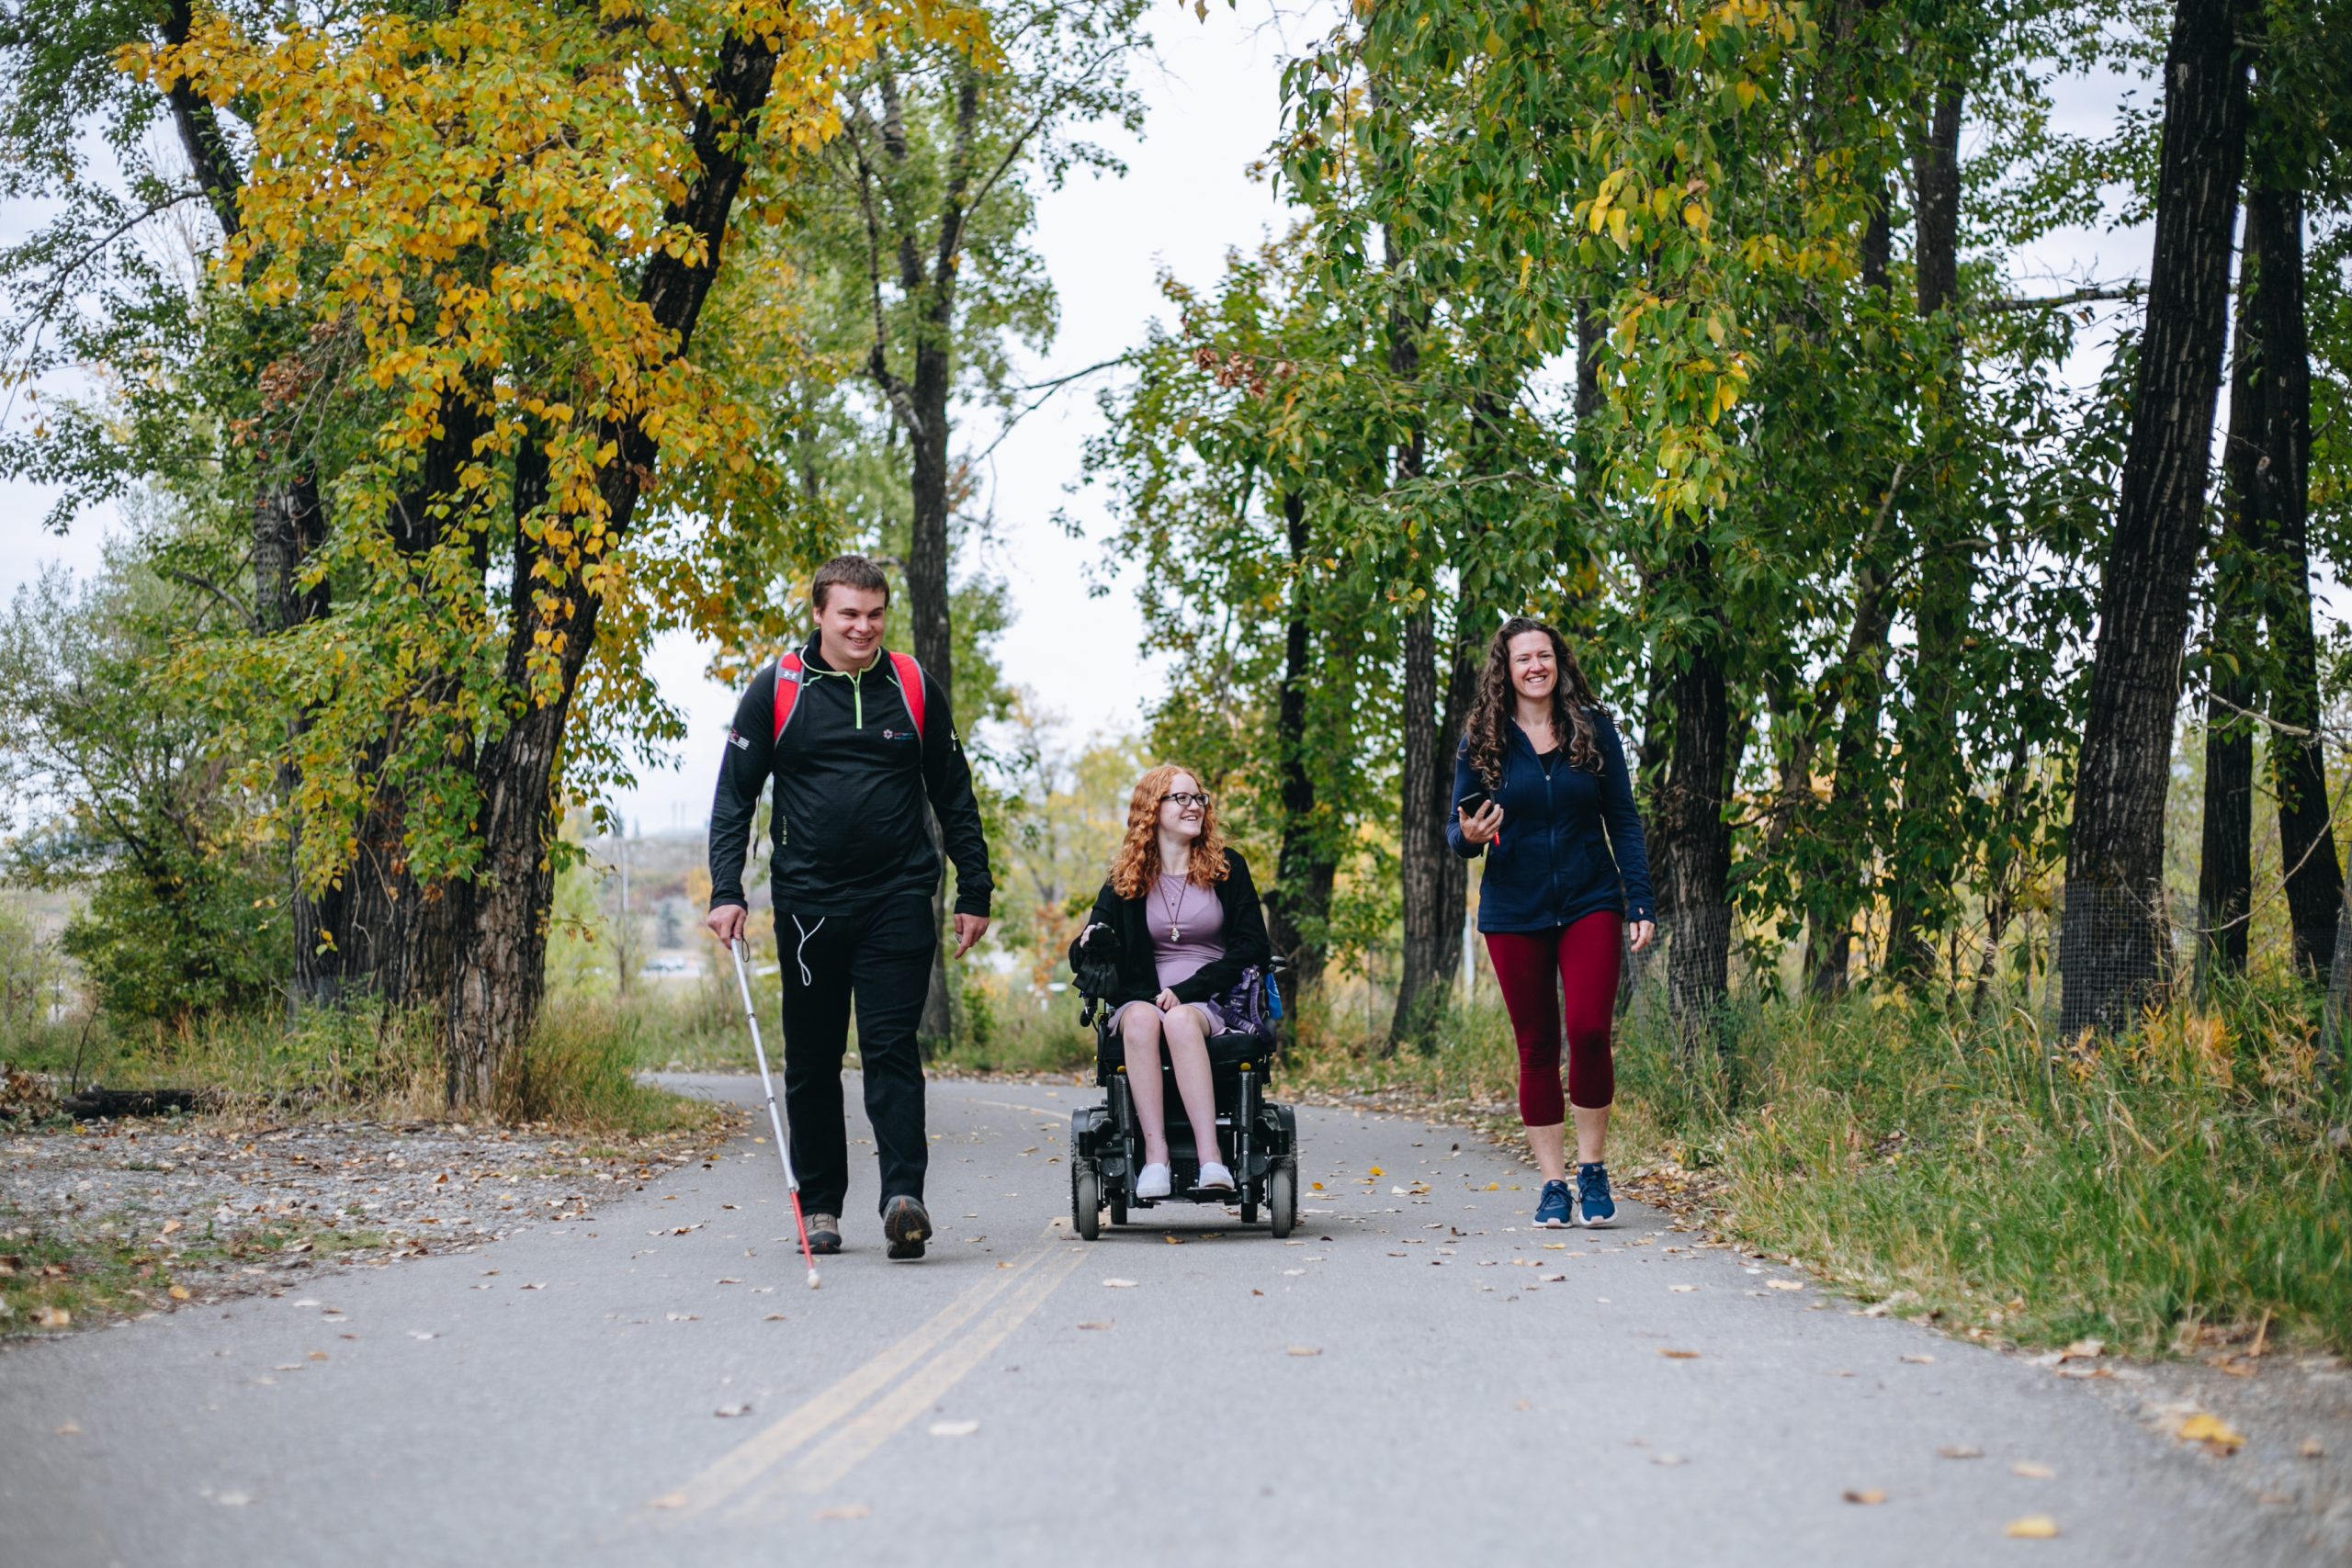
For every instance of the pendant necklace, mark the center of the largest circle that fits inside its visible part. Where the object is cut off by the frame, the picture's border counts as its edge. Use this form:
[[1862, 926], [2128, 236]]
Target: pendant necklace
[[1175, 906]]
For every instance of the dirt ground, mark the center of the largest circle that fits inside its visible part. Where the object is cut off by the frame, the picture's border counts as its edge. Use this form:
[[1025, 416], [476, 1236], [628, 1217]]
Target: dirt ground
[[153, 1214]]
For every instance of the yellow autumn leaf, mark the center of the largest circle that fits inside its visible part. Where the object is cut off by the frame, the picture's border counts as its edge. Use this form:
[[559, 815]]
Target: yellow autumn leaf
[[2212, 1432], [2033, 1526]]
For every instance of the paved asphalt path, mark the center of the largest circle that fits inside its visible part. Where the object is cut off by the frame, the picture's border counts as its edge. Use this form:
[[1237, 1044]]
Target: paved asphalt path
[[1475, 1391]]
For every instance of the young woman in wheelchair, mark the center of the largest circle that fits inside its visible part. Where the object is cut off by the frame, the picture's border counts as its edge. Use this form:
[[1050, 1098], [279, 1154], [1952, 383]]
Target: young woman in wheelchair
[[1183, 915]]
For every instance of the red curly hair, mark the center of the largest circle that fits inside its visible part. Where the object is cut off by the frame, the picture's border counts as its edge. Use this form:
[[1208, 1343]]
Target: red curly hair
[[1137, 865]]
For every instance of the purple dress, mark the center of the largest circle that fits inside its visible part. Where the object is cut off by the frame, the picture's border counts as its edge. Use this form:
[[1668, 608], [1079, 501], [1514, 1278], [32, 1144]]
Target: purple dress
[[1187, 927]]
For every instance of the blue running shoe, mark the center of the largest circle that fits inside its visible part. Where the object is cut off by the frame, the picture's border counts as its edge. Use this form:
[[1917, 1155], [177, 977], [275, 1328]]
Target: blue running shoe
[[1593, 1203], [1551, 1209]]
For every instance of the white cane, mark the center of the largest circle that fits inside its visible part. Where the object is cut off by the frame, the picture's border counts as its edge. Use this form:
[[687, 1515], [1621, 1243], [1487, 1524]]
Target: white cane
[[775, 1120]]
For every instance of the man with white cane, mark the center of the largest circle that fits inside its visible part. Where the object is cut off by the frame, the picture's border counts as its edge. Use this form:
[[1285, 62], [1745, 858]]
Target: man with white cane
[[862, 747]]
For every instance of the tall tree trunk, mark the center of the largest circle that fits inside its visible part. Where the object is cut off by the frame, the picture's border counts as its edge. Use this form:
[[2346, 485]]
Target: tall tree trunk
[[500, 914], [1841, 889], [401, 937], [289, 526], [1299, 903], [1691, 859], [1838, 886], [931, 619], [2274, 256], [1420, 854], [209, 156], [2225, 853], [1927, 859], [2112, 949], [930, 287]]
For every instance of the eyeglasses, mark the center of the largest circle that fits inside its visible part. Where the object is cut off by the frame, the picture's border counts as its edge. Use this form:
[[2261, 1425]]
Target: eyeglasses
[[1185, 797]]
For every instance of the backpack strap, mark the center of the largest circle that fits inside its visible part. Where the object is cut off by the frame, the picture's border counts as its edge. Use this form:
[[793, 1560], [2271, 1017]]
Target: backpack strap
[[787, 691], [911, 687]]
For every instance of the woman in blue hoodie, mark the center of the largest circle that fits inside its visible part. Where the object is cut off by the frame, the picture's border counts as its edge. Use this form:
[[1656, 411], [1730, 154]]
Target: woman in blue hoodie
[[1542, 790]]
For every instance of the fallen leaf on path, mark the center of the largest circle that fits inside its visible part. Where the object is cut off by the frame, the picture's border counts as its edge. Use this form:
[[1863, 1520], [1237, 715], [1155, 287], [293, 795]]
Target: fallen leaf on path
[[2310, 1448], [1874, 1495], [1961, 1450], [1682, 1290], [177, 1292], [722, 1282], [772, 1317], [731, 1410], [2033, 1472], [318, 1355], [69, 1429], [1921, 1361], [2033, 1526], [1103, 1322], [1173, 1240], [1680, 1355], [2218, 1436], [1303, 1350], [684, 1316], [845, 1511], [1374, 1171], [539, 1285], [667, 1500], [1552, 1278], [1784, 1284], [953, 1428], [1293, 1273], [421, 1334], [234, 1499], [53, 1317], [1118, 1284], [2083, 1350], [1667, 1459]]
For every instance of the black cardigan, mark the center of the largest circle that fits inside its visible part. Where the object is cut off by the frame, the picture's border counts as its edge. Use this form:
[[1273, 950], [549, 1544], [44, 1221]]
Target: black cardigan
[[1246, 942]]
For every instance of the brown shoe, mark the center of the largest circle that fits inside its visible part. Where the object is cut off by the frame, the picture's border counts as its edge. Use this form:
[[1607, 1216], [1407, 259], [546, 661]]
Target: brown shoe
[[825, 1234]]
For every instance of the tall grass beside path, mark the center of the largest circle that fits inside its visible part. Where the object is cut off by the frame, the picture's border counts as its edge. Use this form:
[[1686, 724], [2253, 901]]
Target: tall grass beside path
[[2183, 1186]]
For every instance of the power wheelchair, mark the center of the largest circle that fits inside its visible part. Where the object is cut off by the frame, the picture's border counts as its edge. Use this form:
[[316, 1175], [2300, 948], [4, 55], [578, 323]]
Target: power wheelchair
[[1256, 1138]]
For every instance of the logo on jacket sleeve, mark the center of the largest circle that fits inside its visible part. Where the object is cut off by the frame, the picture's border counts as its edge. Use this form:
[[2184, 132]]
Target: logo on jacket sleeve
[[738, 741]]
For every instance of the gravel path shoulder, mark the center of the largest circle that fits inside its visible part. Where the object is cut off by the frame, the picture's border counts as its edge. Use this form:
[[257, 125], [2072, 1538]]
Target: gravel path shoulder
[[205, 1208]]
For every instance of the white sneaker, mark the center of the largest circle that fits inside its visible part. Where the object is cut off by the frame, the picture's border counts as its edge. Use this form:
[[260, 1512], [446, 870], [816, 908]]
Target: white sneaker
[[1214, 1178], [1152, 1181]]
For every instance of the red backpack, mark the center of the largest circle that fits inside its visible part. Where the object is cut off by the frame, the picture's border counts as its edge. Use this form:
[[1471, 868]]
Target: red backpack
[[790, 671]]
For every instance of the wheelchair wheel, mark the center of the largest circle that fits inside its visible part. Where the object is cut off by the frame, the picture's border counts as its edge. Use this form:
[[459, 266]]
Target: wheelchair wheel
[[1118, 1208], [1086, 1201], [1281, 1199], [1248, 1214]]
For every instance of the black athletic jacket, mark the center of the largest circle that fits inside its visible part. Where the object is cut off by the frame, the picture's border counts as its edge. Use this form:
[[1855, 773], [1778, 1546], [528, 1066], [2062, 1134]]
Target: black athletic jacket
[[1246, 942], [851, 782]]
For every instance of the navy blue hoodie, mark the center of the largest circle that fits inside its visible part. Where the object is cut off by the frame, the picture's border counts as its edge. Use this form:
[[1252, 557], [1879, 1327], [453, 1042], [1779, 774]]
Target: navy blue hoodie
[[1571, 843]]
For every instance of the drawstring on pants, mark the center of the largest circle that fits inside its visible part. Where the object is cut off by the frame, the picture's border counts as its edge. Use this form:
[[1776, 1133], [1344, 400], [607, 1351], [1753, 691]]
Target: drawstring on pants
[[805, 933]]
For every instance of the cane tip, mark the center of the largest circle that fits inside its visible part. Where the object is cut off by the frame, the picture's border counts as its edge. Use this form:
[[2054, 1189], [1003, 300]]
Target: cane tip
[[812, 1279]]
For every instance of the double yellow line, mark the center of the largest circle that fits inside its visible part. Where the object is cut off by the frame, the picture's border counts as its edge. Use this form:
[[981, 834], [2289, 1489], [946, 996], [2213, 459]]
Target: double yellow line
[[837, 1429]]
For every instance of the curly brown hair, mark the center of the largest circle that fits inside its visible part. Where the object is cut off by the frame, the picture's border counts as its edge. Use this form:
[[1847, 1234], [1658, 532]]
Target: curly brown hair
[[1572, 705], [1137, 866]]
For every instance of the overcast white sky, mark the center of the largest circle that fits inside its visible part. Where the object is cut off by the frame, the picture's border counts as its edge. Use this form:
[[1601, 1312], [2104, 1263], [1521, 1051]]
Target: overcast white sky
[[1186, 200]]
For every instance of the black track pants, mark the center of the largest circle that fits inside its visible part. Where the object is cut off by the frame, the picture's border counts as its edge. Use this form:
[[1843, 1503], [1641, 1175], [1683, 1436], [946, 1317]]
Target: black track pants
[[880, 957]]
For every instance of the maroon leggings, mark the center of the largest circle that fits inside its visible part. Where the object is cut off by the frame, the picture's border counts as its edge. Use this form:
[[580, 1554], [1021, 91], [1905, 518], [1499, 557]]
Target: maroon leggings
[[1534, 969]]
